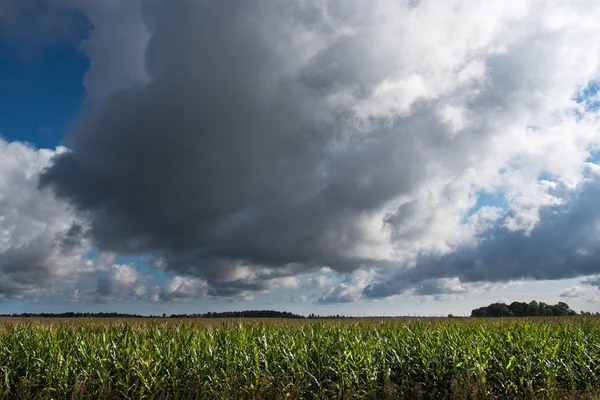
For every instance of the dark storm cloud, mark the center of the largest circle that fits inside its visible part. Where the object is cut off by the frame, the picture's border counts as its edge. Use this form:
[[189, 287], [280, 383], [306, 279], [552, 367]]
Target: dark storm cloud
[[270, 135], [563, 245], [229, 154]]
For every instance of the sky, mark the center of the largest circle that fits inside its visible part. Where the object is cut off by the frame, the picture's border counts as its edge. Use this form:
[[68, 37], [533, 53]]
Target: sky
[[387, 157]]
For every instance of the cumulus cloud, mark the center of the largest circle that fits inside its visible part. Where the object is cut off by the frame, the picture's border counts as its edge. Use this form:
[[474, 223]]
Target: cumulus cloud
[[572, 292], [343, 293], [439, 287], [346, 291], [298, 298], [42, 246], [118, 283], [592, 281], [181, 288], [246, 144], [564, 244]]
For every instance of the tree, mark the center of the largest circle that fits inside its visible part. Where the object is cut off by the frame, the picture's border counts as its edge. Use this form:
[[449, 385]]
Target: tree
[[534, 309], [479, 312], [518, 309], [499, 310]]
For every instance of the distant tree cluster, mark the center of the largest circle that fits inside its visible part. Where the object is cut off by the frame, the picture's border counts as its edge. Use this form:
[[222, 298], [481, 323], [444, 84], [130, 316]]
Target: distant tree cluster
[[228, 314], [330, 316], [241, 314], [75, 315], [522, 309]]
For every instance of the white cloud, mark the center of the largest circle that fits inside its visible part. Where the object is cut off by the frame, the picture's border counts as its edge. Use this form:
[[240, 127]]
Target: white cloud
[[298, 298], [43, 249], [139, 290], [439, 287], [456, 117], [181, 288], [575, 291], [346, 291], [593, 280], [118, 283]]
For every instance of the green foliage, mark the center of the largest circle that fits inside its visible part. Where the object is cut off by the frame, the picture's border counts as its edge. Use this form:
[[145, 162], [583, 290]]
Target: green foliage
[[521, 309], [336, 359]]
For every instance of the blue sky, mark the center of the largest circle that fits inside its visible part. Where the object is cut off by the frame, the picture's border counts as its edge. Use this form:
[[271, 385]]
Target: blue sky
[[381, 171], [42, 94]]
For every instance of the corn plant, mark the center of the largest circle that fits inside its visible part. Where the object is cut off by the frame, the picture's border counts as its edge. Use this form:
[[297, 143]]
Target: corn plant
[[313, 360]]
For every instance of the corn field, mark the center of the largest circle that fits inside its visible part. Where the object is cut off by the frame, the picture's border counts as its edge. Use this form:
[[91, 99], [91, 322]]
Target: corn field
[[345, 359]]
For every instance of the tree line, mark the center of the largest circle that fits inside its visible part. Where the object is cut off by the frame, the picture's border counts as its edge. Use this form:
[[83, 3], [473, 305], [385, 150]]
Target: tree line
[[514, 309], [522, 309], [227, 314], [241, 314]]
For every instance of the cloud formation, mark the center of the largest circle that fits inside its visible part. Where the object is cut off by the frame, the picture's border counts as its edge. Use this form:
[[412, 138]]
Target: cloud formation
[[42, 249], [563, 244], [180, 288], [245, 144], [118, 283], [572, 292]]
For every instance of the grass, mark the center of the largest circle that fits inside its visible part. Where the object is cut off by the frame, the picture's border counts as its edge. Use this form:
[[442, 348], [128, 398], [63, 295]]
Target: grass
[[222, 359]]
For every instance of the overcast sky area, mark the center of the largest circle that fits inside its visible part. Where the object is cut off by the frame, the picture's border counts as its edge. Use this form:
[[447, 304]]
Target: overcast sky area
[[387, 157]]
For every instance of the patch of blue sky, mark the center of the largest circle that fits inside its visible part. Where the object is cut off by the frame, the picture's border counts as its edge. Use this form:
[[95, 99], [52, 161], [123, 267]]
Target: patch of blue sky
[[40, 95], [588, 98], [594, 157], [92, 254], [142, 263], [546, 176], [487, 199]]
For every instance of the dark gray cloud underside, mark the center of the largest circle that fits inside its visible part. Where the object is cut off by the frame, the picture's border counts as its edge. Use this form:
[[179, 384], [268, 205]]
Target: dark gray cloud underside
[[227, 154]]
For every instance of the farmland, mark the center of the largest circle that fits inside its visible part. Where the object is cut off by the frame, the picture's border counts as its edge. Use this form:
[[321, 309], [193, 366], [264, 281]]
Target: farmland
[[221, 359]]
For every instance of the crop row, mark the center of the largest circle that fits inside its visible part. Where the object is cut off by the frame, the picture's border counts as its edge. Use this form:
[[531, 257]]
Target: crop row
[[347, 359]]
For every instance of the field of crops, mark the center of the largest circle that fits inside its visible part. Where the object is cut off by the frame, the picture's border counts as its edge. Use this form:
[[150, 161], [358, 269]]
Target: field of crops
[[345, 359]]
